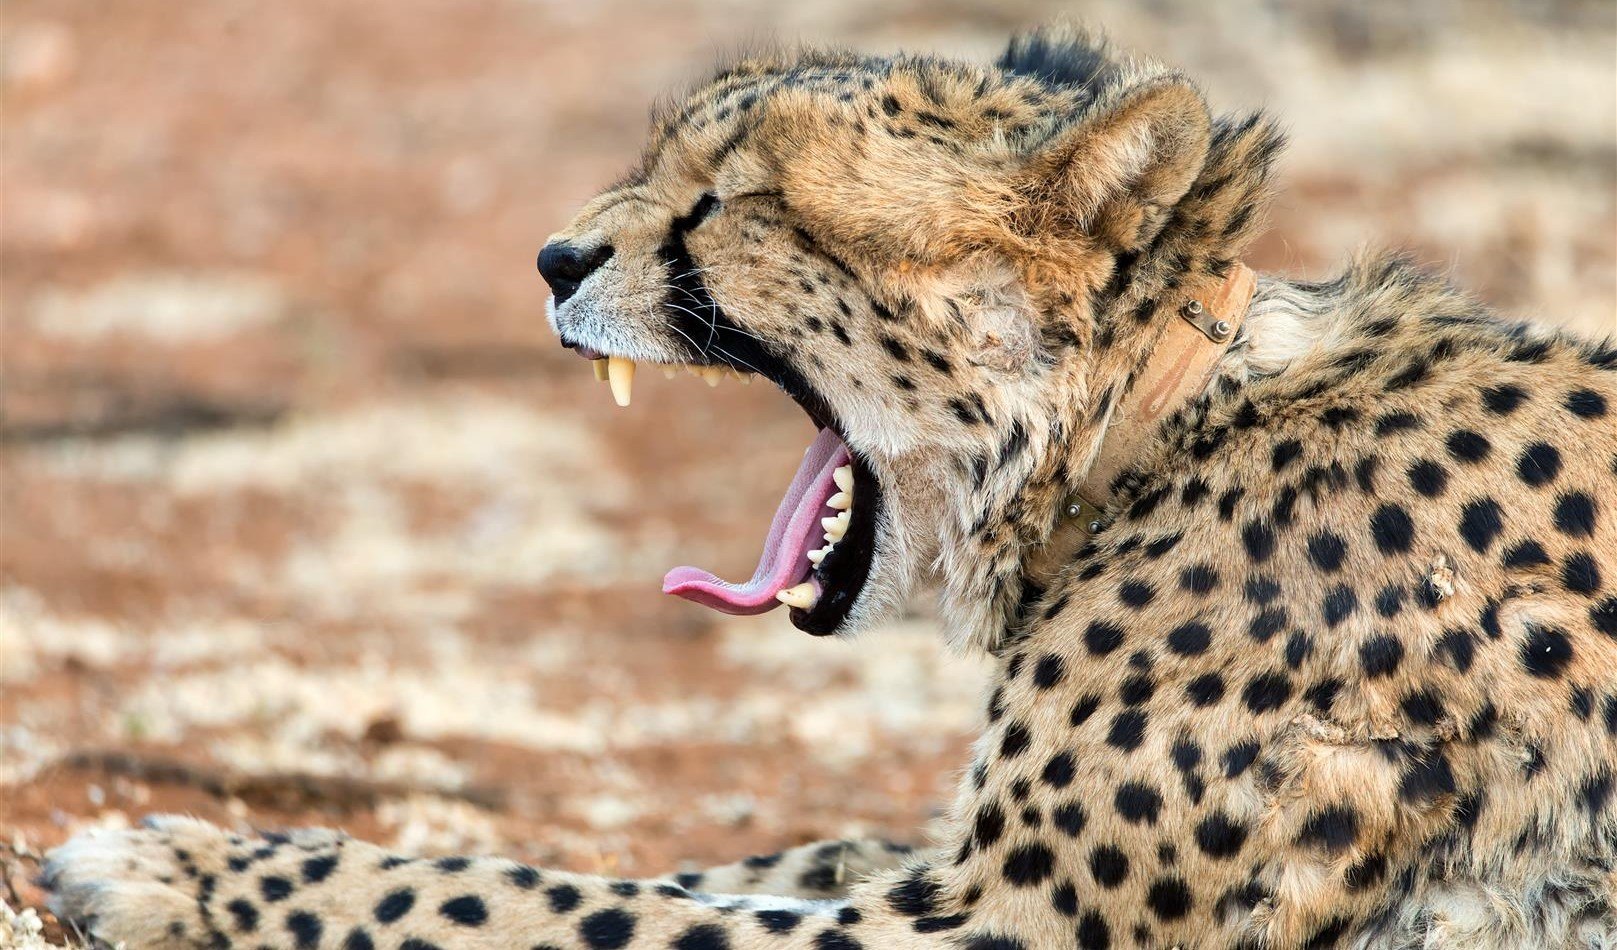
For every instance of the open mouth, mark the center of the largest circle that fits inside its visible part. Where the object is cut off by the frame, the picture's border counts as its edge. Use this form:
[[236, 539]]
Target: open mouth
[[818, 552]]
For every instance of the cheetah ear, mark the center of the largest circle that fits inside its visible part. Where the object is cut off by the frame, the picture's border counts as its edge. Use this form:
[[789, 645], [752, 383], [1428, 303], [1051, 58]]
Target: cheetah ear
[[1115, 168]]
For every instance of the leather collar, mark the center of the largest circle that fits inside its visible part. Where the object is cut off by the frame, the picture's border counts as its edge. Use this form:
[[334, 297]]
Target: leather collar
[[1206, 321]]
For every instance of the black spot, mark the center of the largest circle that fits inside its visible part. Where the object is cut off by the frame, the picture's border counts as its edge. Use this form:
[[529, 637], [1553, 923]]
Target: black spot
[[1093, 933], [1015, 740], [778, 921], [1333, 828], [1259, 540], [1467, 446], [1370, 870], [1546, 651], [1169, 898], [1137, 803], [1423, 707], [1460, 646], [1340, 604], [1581, 574], [317, 869], [1102, 638], [1389, 600], [1108, 866], [395, 905], [1064, 898], [1136, 594], [1394, 422], [1596, 792], [1285, 453], [994, 942], [275, 889], [245, 914], [305, 929], [1190, 638], [1266, 692], [1261, 590], [1070, 818], [1586, 403], [1239, 757], [1060, 770], [1575, 514], [1538, 465], [1048, 671], [466, 910], [1205, 690], [915, 896], [1028, 865], [1327, 550], [1503, 400], [1299, 647], [703, 937], [990, 824], [1526, 554], [565, 897], [1480, 523], [1428, 779], [1266, 624], [1392, 529], [1128, 730], [1219, 836], [1428, 478], [1604, 616], [1199, 579], [1082, 710], [358, 939], [607, 929], [452, 865], [1365, 474]]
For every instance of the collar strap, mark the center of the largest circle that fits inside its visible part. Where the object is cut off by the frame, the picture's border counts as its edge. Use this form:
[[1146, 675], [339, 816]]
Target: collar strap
[[1178, 369]]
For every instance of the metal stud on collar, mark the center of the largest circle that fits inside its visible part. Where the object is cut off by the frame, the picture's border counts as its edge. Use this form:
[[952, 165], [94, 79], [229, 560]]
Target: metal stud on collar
[[1198, 316]]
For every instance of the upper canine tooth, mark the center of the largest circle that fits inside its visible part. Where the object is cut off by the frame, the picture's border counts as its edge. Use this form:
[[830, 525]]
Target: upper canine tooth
[[600, 369], [843, 476], [712, 374], [620, 373], [841, 501], [802, 596], [836, 527]]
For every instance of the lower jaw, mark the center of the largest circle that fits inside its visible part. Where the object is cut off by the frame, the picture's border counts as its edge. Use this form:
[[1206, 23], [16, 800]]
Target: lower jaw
[[786, 572], [844, 573]]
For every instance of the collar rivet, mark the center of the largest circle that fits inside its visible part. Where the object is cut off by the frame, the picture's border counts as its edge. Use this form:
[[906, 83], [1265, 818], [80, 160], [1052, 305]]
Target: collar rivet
[[1194, 307]]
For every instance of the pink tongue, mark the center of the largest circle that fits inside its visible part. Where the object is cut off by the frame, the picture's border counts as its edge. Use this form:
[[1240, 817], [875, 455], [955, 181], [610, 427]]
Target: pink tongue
[[795, 531]]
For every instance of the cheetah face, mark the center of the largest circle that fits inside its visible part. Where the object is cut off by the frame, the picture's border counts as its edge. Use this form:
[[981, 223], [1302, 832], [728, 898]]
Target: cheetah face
[[865, 234], [708, 269]]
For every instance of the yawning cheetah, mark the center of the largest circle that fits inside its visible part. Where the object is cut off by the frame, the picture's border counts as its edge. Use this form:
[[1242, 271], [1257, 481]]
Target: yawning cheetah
[[1303, 596]]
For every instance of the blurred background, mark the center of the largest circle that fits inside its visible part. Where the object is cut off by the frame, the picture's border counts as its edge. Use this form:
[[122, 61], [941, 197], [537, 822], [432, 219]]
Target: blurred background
[[304, 517]]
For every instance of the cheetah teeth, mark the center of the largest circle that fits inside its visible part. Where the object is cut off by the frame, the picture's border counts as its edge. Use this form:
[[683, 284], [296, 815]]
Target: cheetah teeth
[[804, 596], [618, 372]]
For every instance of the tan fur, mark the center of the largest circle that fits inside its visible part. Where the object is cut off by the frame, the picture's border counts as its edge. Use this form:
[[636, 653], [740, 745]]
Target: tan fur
[[1339, 669]]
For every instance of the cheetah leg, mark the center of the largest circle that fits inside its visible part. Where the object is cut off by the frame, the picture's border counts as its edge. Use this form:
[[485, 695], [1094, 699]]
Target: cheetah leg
[[824, 870], [182, 884]]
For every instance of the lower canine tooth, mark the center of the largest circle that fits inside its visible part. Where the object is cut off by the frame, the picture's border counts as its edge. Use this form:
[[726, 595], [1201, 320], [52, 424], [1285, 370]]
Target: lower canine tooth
[[600, 369], [801, 596], [620, 373], [817, 555], [844, 478], [836, 527]]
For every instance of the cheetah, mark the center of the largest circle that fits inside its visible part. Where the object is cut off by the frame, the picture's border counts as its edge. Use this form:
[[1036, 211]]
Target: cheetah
[[1302, 597]]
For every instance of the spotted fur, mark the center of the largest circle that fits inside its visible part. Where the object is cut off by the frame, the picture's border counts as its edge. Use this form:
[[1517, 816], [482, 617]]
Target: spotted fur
[[1338, 669]]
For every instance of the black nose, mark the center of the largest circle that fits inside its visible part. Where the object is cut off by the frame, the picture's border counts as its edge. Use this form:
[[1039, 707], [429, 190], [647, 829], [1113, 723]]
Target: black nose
[[564, 266]]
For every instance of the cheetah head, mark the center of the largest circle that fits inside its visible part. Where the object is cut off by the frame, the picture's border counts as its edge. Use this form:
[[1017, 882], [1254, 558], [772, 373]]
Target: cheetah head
[[942, 263]]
